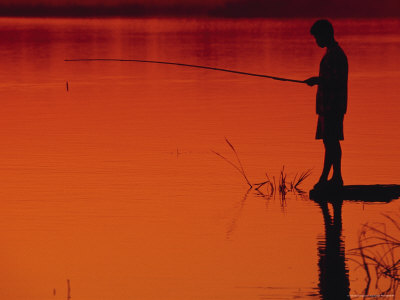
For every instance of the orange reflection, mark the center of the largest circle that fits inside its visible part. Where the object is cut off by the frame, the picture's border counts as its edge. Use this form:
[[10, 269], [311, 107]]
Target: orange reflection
[[93, 191]]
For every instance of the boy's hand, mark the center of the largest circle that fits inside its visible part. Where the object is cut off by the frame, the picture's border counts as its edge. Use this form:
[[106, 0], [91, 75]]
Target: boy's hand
[[312, 81]]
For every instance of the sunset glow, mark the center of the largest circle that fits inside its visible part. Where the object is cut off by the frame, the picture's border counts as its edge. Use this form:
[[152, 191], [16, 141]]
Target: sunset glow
[[114, 184]]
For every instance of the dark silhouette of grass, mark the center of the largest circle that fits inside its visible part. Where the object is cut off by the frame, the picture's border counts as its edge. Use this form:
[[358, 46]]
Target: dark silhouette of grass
[[378, 254], [239, 168], [284, 186], [282, 183], [68, 289], [298, 180]]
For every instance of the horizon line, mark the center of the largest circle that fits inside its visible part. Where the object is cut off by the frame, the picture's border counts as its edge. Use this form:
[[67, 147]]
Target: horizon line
[[229, 10]]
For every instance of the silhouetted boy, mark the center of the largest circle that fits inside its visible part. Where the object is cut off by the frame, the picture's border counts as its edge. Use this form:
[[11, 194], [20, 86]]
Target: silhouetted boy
[[331, 104]]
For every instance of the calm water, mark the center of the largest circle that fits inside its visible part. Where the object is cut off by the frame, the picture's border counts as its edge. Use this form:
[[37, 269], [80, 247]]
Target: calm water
[[113, 185]]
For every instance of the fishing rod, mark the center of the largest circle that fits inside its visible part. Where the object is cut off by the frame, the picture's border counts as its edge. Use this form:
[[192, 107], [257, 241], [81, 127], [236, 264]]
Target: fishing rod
[[185, 65]]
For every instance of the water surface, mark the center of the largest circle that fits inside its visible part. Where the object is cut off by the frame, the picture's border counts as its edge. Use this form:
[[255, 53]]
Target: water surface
[[113, 185]]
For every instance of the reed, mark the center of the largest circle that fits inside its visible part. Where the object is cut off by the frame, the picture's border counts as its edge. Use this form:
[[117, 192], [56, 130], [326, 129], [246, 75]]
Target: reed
[[270, 186], [239, 168], [378, 254], [271, 183], [68, 289], [296, 182], [282, 182], [284, 185]]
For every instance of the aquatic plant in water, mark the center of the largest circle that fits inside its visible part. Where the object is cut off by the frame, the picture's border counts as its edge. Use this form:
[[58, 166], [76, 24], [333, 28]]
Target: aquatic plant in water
[[284, 185], [378, 255]]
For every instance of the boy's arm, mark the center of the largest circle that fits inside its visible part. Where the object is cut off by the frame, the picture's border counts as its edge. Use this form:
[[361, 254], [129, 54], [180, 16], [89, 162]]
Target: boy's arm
[[313, 81]]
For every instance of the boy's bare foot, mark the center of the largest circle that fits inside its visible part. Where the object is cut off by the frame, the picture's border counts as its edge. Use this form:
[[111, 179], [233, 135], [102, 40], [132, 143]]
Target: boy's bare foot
[[321, 184], [336, 182]]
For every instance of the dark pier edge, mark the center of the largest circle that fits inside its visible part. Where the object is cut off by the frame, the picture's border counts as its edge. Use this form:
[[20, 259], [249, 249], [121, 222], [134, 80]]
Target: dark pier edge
[[360, 193]]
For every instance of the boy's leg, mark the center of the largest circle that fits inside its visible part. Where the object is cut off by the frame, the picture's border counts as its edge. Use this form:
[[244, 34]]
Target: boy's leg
[[337, 162], [333, 158], [328, 161]]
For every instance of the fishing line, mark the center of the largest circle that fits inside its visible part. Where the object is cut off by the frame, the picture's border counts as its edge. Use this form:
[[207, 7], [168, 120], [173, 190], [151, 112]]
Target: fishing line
[[185, 65]]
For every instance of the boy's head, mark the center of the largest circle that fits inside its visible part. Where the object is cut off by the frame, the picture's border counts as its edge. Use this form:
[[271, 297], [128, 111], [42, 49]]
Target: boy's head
[[322, 30]]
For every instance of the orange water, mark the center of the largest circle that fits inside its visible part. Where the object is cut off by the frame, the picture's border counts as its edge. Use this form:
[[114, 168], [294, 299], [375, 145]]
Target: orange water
[[113, 185]]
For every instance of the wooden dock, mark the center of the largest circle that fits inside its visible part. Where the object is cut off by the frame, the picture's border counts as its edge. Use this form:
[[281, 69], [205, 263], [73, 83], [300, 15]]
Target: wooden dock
[[360, 193]]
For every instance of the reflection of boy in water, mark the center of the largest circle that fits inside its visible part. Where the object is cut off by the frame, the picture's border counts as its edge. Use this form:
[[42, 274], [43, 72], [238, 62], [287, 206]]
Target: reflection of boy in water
[[331, 100], [334, 281]]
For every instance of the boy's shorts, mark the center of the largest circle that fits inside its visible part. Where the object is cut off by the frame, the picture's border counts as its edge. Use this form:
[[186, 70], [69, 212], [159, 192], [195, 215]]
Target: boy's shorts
[[330, 127]]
